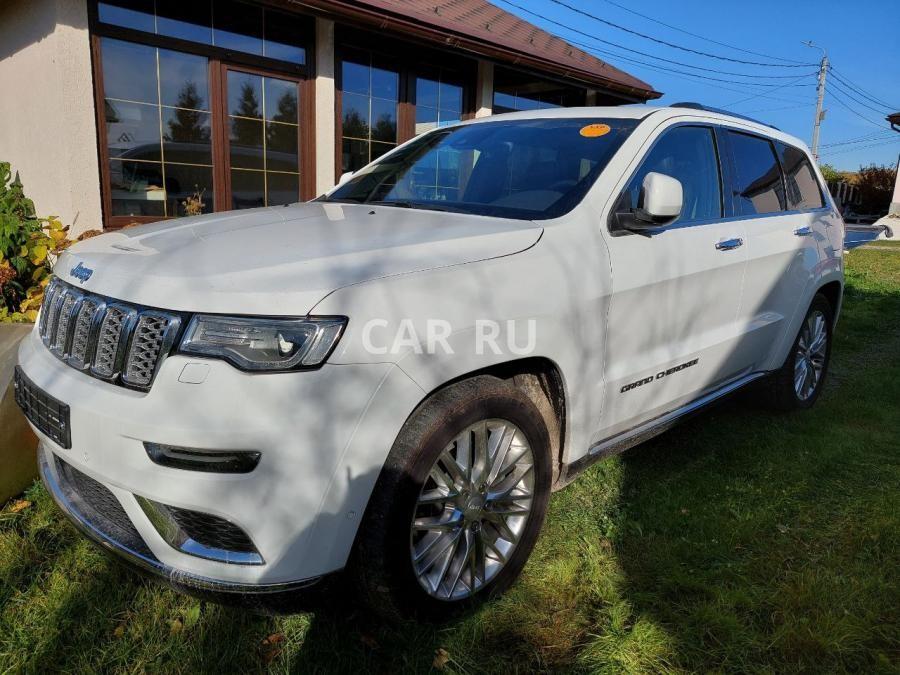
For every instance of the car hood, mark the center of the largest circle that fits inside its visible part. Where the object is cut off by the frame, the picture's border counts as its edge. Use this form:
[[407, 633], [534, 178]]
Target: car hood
[[281, 260]]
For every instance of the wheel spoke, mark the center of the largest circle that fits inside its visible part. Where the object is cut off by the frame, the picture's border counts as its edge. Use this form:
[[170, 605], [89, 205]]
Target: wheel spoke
[[499, 523], [456, 471], [502, 489], [800, 376], [437, 496], [438, 524], [445, 565], [434, 549], [479, 464], [504, 443]]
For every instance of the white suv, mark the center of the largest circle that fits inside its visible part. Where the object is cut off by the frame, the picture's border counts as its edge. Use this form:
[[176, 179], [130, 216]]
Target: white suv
[[393, 378]]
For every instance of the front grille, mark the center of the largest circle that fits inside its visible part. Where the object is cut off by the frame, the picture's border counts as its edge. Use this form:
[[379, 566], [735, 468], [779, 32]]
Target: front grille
[[98, 506], [113, 341], [212, 531]]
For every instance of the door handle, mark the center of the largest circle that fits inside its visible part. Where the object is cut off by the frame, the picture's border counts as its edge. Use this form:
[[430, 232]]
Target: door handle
[[804, 231], [729, 244]]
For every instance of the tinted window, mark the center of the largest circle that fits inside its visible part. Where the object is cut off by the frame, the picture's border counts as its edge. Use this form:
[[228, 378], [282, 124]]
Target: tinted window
[[801, 187], [757, 184], [530, 169], [688, 154]]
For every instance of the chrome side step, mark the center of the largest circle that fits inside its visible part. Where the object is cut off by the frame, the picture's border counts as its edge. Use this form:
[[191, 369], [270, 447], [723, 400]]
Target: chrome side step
[[621, 442]]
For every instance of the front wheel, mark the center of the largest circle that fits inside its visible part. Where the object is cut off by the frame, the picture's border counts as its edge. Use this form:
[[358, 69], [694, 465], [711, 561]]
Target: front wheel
[[799, 382], [459, 504]]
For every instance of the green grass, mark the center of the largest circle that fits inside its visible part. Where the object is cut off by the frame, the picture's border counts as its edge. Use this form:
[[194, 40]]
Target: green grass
[[740, 541]]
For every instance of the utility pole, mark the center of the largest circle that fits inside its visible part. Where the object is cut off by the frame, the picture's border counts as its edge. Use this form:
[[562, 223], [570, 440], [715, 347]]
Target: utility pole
[[820, 99]]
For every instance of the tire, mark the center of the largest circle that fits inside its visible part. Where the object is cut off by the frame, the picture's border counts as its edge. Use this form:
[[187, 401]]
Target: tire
[[382, 560], [788, 394]]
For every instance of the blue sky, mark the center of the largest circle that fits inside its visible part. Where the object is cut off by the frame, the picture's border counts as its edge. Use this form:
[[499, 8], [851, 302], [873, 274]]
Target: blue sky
[[862, 39]]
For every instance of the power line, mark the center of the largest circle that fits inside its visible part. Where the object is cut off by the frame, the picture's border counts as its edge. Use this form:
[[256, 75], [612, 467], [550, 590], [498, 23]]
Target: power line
[[833, 94], [849, 94], [787, 107], [700, 37], [863, 147], [636, 51], [863, 93], [672, 44], [876, 136], [750, 98]]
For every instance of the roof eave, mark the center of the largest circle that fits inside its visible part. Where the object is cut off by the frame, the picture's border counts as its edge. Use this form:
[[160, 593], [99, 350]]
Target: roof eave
[[409, 26]]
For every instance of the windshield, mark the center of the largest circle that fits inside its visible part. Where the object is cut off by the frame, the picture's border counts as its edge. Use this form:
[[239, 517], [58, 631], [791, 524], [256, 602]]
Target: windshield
[[529, 169]]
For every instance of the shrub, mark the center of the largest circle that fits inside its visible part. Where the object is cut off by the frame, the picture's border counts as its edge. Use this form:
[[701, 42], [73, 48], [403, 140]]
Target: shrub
[[28, 247], [876, 184]]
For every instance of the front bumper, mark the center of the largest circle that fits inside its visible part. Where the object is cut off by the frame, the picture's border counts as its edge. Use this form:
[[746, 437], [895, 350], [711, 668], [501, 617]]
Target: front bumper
[[323, 437]]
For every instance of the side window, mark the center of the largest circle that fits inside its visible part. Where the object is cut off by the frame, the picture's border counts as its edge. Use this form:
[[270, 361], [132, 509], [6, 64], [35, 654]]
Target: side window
[[801, 187], [688, 154], [758, 187]]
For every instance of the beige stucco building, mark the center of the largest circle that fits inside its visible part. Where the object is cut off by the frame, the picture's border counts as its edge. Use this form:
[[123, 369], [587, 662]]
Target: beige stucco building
[[124, 111]]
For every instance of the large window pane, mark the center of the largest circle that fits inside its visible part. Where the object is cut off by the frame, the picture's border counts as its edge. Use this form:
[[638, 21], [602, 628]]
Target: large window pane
[[758, 188], [189, 190], [187, 136], [451, 97], [238, 26], [282, 188], [688, 154], [281, 100], [184, 80], [356, 115], [248, 189], [385, 83], [247, 148], [281, 147], [354, 155], [244, 94], [384, 120], [427, 92], [129, 71], [283, 32], [426, 119], [355, 78], [136, 14], [137, 188], [514, 90], [132, 130], [185, 20]]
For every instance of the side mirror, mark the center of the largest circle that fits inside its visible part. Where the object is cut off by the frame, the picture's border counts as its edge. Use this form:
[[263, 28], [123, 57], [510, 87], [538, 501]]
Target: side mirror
[[345, 177], [661, 200]]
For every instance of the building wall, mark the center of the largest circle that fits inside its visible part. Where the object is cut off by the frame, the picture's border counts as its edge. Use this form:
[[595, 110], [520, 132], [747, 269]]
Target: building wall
[[47, 125]]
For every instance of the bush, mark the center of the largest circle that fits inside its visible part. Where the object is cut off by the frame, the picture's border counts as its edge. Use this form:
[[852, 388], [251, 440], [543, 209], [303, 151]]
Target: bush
[[876, 185], [28, 247]]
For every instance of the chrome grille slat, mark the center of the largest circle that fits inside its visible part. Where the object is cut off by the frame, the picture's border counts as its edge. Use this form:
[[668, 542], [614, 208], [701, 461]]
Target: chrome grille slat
[[113, 341], [79, 354], [67, 308]]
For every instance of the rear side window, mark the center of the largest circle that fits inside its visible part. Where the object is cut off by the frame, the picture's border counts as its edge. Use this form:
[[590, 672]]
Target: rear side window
[[758, 187], [801, 187], [688, 154]]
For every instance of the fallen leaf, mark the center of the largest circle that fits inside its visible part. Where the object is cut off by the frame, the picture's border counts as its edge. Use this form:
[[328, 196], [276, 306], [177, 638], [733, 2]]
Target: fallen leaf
[[175, 626], [782, 528], [192, 616], [441, 658], [19, 505], [274, 639], [119, 631]]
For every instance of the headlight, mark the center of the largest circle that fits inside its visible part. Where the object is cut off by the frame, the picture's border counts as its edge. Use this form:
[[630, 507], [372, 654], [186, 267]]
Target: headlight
[[263, 344]]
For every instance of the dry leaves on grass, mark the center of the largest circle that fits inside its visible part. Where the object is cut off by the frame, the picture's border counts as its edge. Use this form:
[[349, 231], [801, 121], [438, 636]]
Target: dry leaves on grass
[[441, 658], [19, 505], [270, 647]]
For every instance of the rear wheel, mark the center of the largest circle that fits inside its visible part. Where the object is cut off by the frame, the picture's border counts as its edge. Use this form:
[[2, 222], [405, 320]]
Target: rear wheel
[[798, 383], [459, 504]]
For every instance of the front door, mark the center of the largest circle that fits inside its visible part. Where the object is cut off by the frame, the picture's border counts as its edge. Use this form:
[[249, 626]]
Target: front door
[[263, 143], [672, 330]]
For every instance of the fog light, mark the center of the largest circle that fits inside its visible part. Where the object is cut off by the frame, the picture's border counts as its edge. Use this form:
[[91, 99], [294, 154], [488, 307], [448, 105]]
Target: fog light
[[210, 461]]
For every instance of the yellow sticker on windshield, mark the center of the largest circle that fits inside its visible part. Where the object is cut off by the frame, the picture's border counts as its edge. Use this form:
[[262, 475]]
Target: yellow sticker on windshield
[[594, 130]]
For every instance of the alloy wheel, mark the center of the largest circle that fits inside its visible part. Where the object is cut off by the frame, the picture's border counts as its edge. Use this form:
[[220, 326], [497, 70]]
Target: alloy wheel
[[472, 509], [809, 359]]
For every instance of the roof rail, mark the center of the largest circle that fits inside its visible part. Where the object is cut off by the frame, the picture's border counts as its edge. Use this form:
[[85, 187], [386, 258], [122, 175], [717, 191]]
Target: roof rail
[[700, 106]]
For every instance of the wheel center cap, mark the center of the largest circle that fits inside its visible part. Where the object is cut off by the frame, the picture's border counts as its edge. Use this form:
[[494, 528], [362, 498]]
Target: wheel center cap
[[473, 507]]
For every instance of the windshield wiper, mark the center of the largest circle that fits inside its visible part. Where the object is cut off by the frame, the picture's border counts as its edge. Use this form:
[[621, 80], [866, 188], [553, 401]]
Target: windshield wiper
[[408, 205]]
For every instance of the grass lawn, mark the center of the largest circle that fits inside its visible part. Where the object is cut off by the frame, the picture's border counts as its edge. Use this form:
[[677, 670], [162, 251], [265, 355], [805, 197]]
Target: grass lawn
[[739, 541]]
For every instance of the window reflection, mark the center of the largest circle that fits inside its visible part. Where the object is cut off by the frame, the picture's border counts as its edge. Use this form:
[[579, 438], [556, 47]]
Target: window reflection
[[230, 24], [158, 129], [369, 110], [438, 103], [519, 91], [758, 185]]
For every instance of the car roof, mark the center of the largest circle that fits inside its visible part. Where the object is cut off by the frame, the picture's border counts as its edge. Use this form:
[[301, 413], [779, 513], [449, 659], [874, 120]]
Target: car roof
[[640, 112]]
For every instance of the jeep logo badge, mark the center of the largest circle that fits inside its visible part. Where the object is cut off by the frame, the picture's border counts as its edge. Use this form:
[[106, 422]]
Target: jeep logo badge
[[81, 272]]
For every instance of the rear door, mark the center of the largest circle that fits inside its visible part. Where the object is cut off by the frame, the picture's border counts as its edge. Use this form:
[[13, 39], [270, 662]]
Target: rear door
[[672, 330], [777, 194]]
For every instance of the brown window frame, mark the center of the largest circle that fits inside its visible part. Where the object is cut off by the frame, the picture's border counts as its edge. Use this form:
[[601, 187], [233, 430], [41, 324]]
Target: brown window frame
[[219, 60], [398, 56]]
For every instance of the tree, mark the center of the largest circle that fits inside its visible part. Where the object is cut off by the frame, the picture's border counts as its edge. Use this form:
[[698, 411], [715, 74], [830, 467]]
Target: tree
[[189, 124], [247, 132], [830, 173]]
